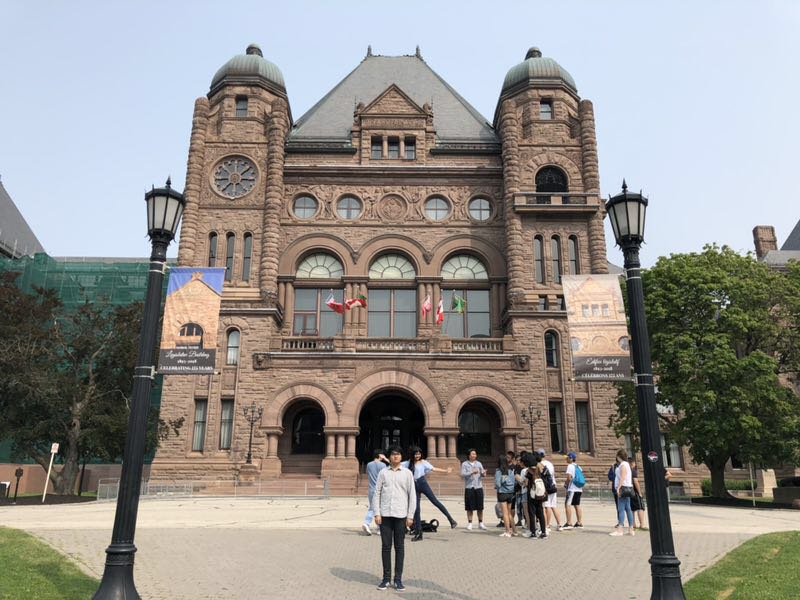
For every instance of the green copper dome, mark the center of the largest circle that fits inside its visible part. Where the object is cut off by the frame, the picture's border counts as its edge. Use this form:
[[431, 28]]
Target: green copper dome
[[537, 69], [249, 68]]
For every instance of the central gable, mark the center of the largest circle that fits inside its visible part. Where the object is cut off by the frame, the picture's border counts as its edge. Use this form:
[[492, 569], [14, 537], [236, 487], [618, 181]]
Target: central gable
[[393, 101]]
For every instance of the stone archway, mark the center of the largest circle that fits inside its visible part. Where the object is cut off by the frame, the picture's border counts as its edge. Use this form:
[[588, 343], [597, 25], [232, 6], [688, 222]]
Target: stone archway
[[389, 418], [301, 448], [479, 429]]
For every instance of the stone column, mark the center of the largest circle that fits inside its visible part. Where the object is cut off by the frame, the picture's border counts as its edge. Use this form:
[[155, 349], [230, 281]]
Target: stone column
[[341, 451], [385, 146], [591, 184], [348, 314], [509, 137], [451, 445], [288, 309], [431, 446], [441, 446], [331, 445], [194, 182], [351, 445], [282, 295], [277, 128], [509, 439], [272, 445]]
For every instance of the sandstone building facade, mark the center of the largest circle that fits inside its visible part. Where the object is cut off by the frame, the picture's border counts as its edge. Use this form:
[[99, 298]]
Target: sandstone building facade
[[392, 187]]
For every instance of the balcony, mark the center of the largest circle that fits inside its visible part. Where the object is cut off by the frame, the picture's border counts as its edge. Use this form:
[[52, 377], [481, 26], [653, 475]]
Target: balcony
[[437, 345], [550, 202]]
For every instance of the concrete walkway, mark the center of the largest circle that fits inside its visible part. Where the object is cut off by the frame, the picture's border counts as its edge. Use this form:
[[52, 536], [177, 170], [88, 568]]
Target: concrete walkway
[[285, 548]]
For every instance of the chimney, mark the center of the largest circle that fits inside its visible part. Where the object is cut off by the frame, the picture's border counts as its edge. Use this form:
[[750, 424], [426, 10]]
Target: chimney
[[764, 240]]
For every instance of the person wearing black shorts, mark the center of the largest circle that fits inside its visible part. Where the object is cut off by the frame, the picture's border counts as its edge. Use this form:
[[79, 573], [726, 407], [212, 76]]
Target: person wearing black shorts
[[504, 479], [473, 473]]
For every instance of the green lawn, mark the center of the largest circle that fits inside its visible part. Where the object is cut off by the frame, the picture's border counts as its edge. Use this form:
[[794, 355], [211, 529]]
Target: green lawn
[[764, 568], [31, 569]]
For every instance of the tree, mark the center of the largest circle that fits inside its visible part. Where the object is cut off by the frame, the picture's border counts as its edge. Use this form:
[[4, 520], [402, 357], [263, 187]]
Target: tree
[[66, 376], [720, 327]]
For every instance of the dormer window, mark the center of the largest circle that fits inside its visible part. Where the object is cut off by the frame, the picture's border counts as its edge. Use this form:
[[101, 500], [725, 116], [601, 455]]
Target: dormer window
[[394, 147], [241, 106], [411, 148], [546, 110], [377, 147]]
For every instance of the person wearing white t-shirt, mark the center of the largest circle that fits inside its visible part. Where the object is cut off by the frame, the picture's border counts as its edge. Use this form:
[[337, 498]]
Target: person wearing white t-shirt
[[623, 483], [573, 500], [551, 504]]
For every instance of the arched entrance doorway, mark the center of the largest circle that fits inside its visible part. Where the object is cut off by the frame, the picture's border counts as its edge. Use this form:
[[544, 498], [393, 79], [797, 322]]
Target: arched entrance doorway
[[302, 445], [479, 428], [389, 418]]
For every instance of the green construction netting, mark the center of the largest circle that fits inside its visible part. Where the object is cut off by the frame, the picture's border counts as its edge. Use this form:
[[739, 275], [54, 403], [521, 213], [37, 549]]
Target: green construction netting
[[116, 281]]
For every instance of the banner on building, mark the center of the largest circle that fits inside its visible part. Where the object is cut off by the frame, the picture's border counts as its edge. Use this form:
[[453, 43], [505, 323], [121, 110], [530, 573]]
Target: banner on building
[[191, 320], [597, 327]]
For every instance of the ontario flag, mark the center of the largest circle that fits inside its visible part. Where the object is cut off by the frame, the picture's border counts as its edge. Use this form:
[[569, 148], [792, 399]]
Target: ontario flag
[[334, 305], [359, 301], [440, 312], [427, 306]]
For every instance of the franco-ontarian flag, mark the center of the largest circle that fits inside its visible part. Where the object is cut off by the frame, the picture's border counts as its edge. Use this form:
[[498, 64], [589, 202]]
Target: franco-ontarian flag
[[191, 319], [598, 331]]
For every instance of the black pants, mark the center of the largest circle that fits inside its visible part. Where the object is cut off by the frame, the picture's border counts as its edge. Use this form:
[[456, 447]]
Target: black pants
[[393, 529], [537, 509], [423, 487]]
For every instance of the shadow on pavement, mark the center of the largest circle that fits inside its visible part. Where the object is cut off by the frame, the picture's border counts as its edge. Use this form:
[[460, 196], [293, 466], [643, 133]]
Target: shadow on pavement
[[417, 588]]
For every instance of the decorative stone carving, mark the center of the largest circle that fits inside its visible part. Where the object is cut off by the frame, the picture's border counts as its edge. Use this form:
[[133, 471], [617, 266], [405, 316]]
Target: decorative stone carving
[[392, 209], [521, 362], [443, 402], [261, 361], [339, 405]]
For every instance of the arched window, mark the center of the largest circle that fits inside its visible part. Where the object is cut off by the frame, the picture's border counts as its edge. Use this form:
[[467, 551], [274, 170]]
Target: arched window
[[555, 251], [212, 249], [538, 258], [551, 353], [464, 266], [232, 344], [319, 266], [475, 428], [392, 312], [550, 180], [190, 335], [230, 245], [392, 266], [312, 314], [248, 256], [466, 305], [574, 262]]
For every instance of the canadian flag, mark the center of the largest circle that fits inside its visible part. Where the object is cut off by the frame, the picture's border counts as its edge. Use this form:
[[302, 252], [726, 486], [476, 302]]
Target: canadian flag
[[334, 305], [440, 312], [427, 306]]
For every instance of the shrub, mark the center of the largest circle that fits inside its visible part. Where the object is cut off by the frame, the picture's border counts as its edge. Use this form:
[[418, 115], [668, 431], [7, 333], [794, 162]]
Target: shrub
[[731, 485]]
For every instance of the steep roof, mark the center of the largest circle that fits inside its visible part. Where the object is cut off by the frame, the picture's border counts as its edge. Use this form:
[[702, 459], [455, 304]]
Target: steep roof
[[454, 118], [16, 236], [793, 241]]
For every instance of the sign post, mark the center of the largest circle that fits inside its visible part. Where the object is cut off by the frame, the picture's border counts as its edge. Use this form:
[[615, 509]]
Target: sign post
[[53, 452]]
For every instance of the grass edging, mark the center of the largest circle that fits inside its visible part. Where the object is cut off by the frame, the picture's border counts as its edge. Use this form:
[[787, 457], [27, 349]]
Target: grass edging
[[756, 570], [32, 569]]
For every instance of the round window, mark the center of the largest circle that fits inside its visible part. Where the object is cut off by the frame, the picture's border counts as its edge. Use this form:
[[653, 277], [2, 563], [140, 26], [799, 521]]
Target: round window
[[304, 207], [437, 209], [349, 208], [480, 209]]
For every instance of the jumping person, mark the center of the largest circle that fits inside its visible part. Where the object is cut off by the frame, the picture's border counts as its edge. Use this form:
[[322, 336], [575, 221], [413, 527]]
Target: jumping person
[[473, 473], [374, 467], [394, 504], [420, 468]]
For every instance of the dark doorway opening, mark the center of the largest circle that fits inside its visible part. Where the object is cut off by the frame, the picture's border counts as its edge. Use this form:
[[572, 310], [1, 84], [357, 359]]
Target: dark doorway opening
[[389, 419], [479, 428]]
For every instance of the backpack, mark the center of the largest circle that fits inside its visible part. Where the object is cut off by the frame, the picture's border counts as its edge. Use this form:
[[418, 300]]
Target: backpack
[[579, 480], [549, 485], [538, 491], [429, 527]]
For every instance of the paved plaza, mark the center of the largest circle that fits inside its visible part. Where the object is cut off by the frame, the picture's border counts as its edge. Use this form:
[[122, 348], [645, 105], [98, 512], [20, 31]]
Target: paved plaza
[[305, 548]]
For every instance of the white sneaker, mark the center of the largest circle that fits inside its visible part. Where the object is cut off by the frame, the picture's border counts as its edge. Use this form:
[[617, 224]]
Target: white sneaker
[[366, 529], [469, 526], [505, 534], [617, 533], [482, 526], [548, 531], [560, 528]]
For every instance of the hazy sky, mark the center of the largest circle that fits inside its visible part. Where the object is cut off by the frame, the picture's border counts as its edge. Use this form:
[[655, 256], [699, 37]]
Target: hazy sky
[[696, 102]]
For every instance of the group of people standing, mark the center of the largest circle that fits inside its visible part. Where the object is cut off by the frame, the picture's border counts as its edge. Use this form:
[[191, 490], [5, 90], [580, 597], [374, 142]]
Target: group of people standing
[[527, 491]]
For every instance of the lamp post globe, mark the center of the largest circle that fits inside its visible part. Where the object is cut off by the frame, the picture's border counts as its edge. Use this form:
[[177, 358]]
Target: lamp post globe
[[627, 212], [164, 210]]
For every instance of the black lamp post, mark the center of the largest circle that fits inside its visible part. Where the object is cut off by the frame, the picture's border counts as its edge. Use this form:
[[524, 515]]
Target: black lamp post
[[164, 210], [253, 416], [627, 212], [531, 416]]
